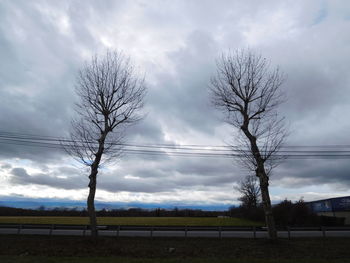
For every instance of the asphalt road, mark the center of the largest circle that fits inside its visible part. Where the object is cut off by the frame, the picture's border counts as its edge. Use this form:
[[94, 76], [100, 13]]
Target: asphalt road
[[147, 233]]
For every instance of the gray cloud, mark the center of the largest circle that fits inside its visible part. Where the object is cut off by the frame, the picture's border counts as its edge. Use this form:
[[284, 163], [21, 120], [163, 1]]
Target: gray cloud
[[181, 100], [21, 177], [296, 173], [6, 166], [43, 44]]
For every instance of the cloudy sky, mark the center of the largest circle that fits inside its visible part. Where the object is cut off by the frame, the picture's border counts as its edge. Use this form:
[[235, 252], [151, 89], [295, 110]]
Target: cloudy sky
[[174, 44]]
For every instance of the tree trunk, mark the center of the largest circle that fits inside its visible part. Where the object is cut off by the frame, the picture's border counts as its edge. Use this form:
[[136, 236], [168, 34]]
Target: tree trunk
[[92, 186], [91, 202], [265, 196], [263, 179]]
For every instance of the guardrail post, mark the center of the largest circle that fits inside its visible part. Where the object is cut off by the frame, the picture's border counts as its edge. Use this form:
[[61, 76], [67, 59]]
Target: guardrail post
[[288, 229], [323, 231], [84, 231], [220, 232], [254, 232], [52, 227], [151, 233], [118, 230], [185, 231], [19, 229]]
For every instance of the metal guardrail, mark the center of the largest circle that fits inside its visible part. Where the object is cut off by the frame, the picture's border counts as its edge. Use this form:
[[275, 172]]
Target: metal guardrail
[[185, 229]]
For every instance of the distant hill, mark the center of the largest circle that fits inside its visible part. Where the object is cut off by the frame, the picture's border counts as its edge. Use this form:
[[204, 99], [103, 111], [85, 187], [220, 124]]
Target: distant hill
[[49, 204]]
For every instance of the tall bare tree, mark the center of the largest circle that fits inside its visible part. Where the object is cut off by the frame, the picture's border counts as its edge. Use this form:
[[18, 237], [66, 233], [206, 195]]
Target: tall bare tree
[[111, 94], [247, 89]]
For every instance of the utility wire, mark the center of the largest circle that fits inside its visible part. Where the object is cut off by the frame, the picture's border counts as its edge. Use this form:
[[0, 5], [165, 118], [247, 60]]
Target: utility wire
[[170, 150], [170, 146], [82, 143], [52, 138]]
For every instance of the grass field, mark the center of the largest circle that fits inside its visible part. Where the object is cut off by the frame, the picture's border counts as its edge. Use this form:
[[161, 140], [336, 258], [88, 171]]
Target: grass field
[[145, 221], [28, 249]]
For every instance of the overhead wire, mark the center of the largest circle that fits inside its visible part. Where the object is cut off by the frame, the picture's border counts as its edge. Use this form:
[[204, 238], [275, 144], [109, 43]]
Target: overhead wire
[[189, 150], [53, 138]]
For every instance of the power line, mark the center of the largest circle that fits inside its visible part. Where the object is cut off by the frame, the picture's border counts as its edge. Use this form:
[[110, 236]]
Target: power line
[[170, 150], [53, 138]]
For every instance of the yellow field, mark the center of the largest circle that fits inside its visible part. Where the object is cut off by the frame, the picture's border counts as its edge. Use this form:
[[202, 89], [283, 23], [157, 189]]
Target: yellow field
[[145, 221]]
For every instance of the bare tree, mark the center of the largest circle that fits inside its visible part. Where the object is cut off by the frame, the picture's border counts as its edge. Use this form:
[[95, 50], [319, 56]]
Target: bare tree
[[110, 95], [250, 192], [247, 90]]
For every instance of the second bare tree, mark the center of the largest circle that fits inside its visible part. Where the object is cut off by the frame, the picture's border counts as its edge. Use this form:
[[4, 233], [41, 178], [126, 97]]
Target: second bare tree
[[248, 91]]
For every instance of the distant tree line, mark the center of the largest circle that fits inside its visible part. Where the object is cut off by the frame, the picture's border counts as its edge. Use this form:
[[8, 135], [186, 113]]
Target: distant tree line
[[132, 212], [287, 213]]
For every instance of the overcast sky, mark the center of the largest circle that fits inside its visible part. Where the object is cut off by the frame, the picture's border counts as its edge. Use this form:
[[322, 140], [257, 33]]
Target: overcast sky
[[174, 44]]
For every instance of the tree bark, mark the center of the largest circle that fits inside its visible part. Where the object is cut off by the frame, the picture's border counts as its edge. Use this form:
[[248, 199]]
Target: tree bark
[[263, 179], [265, 196], [92, 186], [91, 202]]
